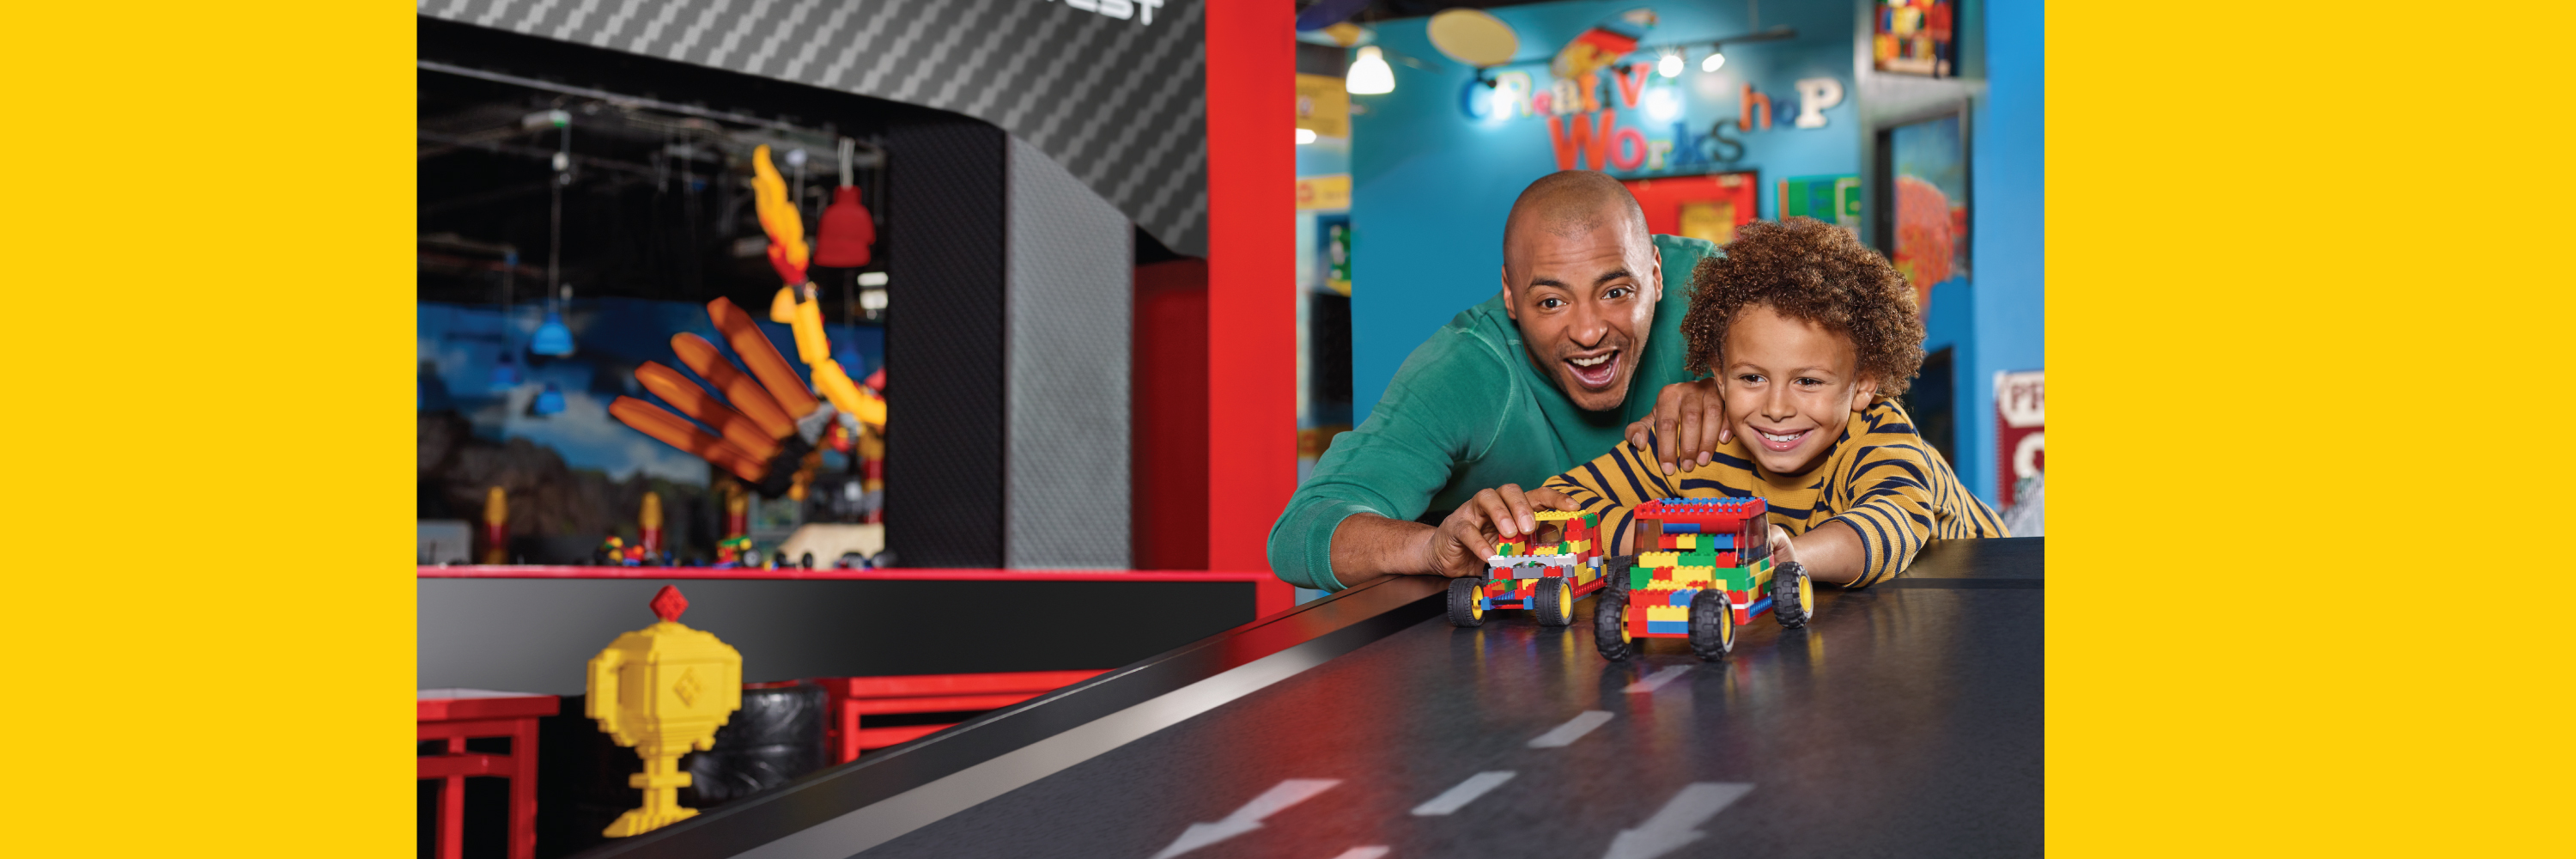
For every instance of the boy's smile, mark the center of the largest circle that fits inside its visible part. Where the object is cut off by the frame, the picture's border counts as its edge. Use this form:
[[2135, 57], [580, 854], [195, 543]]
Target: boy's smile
[[1791, 386]]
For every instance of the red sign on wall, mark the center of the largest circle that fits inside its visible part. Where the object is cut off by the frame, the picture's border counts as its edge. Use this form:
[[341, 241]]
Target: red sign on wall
[[2021, 415]]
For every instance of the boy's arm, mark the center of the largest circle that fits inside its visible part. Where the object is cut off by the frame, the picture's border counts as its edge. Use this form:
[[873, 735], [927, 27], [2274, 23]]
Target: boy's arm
[[1613, 485], [1833, 553], [1887, 524]]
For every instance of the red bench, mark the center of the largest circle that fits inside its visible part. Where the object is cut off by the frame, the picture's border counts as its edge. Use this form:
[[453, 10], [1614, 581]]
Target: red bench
[[854, 698], [457, 715]]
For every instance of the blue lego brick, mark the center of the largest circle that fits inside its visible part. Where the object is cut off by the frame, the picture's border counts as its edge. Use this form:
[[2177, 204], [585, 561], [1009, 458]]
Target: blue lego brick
[[1681, 527], [1668, 627], [1682, 597], [1757, 608], [1717, 541]]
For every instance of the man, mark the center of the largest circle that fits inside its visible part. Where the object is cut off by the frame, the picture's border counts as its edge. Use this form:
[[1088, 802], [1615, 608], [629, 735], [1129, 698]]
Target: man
[[1521, 387]]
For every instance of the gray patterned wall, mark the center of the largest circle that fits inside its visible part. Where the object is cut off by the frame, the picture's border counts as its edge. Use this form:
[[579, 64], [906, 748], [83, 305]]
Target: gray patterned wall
[[1120, 103], [1070, 305]]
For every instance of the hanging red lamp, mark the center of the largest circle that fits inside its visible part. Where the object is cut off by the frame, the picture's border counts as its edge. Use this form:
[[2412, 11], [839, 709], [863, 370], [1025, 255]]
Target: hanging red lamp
[[842, 240]]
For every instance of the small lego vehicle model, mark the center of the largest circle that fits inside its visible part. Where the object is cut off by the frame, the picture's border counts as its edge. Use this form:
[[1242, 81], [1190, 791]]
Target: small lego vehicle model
[[1712, 573], [1546, 570], [736, 552]]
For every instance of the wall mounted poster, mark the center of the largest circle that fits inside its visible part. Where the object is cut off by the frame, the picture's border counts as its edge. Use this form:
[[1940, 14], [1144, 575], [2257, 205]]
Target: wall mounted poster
[[1701, 207], [1928, 163], [1831, 199], [1915, 37]]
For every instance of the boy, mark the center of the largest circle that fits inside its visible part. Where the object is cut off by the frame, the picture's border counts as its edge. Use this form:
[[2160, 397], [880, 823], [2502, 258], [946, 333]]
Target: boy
[[1810, 336]]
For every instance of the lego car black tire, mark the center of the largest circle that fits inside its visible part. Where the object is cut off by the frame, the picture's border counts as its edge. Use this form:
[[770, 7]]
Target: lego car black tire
[[1464, 612], [1792, 595], [1609, 618], [1712, 625], [1554, 601]]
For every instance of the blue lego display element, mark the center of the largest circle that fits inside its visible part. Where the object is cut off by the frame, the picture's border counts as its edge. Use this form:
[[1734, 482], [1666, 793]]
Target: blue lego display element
[[1681, 527], [1668, 627]]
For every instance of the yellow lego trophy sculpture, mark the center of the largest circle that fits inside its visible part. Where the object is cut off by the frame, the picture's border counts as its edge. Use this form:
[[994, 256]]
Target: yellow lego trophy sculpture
[[663, 690]]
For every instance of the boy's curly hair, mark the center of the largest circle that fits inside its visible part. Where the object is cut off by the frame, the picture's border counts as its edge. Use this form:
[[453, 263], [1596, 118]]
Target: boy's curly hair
[[1809, 270]]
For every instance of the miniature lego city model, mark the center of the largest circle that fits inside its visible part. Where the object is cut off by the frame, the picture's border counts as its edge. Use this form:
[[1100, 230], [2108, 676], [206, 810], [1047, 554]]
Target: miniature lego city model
[[663, 690], [1711, 573], [1546, 570]]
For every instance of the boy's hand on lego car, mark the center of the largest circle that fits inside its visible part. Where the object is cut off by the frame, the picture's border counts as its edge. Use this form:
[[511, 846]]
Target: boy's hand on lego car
[[1687, 426], [1783, 552], [1463, 541]]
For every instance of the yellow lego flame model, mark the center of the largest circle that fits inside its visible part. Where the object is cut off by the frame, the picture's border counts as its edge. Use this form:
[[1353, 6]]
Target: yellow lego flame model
[[663, 690]]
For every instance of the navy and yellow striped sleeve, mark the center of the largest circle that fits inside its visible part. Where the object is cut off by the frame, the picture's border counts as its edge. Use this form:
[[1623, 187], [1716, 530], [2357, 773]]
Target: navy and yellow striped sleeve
[[1613, 485], [1890, 490]]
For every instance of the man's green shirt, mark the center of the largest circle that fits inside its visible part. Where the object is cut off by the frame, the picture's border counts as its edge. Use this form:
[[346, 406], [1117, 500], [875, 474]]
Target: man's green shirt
[[1468, 411]]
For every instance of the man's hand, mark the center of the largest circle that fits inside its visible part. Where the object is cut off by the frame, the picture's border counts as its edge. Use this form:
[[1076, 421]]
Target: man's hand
[[1463, 541], [1689, 423]]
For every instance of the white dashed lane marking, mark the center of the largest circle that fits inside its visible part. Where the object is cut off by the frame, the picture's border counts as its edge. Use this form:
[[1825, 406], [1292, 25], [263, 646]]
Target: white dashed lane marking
[[1565, 734], [1278, 798], [1457, 797], [1659, 678], [1672, 826]]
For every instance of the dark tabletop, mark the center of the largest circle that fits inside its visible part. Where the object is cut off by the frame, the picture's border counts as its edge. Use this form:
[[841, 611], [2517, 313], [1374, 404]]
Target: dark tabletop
[[1906, 721]]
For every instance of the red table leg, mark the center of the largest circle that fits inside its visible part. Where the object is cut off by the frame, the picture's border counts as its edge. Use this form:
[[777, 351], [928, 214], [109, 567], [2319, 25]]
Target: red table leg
[[523, 790], [451, 808]]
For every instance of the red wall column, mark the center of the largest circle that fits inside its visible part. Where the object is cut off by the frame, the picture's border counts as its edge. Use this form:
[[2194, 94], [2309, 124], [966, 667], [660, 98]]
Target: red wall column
[[1252, 315]]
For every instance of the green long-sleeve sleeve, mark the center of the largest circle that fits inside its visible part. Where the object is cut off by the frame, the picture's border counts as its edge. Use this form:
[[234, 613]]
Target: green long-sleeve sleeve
[[1468, 411]]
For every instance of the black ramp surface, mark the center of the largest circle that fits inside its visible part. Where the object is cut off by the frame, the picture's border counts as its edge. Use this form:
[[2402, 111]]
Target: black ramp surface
[[1906, 721]]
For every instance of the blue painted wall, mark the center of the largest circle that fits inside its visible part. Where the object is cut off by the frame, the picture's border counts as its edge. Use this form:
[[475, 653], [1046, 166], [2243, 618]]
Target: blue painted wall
[[1430, 185], [2008, 157]]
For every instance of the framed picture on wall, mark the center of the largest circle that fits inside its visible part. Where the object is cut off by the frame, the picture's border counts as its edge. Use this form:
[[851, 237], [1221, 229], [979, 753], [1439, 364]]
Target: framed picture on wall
[[1923, 189], [1915, 37], [1701, 207]]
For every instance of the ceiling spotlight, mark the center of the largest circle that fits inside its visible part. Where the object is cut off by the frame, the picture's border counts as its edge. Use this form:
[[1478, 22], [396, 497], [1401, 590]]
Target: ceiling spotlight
[[1671, 65], [1714, 62], [1305, 136], [1369, 74]]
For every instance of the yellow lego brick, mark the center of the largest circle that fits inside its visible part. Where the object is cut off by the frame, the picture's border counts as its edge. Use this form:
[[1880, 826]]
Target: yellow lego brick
[[1694, 575], [1558, 515], [1685, 541], [1658, 559], [1667, 612]]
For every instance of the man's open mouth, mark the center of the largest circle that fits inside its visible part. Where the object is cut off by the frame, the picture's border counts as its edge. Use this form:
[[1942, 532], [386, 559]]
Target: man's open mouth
[[1782, 441], [1596, 371]]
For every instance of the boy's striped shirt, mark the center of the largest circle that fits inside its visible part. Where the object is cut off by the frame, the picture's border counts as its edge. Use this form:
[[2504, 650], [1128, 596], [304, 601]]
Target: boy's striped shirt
[[1881, 479]]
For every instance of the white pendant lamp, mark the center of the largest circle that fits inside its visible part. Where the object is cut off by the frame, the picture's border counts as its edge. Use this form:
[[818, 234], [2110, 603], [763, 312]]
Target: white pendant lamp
[[1370, 75]]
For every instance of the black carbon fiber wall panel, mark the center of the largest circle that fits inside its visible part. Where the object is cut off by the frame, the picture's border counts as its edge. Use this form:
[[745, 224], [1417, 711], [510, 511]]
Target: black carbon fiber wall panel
[[945, 341], [1115, 90], [1071, 288]]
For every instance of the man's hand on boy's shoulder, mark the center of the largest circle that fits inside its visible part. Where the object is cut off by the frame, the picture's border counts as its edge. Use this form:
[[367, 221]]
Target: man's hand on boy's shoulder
[[1688, 424], [1462, 542]]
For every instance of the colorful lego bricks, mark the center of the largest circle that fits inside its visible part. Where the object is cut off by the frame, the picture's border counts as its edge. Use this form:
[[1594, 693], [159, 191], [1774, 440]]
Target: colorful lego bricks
[[1716, 544], [1567, 545]]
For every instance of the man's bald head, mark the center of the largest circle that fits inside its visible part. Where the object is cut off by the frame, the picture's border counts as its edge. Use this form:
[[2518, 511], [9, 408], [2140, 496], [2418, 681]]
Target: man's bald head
[[1572, 203], [1580, 278]]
